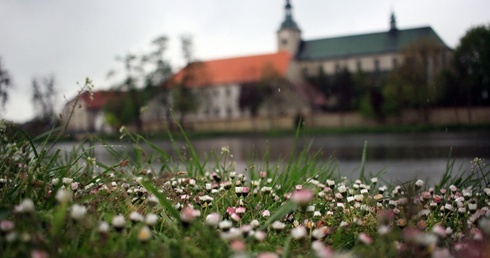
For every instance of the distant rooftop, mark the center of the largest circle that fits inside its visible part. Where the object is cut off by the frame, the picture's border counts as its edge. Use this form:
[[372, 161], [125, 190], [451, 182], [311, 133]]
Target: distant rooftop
[[99, 98], [234, 70], [365, 44]]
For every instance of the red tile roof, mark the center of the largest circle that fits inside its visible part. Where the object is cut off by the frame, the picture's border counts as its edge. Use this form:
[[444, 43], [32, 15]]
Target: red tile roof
[[100, 98], [234, 70]]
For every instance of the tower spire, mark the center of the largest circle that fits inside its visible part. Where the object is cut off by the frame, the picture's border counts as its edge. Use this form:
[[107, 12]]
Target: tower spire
[[289, 34], [289, 22], [393, 27]]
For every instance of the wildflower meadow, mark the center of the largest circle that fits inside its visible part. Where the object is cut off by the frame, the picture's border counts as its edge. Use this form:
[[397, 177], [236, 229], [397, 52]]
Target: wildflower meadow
[[55, 203]]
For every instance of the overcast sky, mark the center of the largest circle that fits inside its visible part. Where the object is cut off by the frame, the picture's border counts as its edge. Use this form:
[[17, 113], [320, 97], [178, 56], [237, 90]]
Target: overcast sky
[[76, 39]]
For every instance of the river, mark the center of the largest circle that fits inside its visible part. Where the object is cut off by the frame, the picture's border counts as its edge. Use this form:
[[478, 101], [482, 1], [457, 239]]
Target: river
[[402, 157]]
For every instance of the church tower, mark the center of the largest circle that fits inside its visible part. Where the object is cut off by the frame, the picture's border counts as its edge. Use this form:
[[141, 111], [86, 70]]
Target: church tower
[[393, 28], [289, 34]]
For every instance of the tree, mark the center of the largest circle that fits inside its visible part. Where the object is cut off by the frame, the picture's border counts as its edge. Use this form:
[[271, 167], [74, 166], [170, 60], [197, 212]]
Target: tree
[[472, 65], [44, 99], [319, 80], [157, 77], [369, 94], [132, 101], [183, 99], [253, 94], [344, 89], [5, 85], [120, 110], [413, 85], [143, 76]]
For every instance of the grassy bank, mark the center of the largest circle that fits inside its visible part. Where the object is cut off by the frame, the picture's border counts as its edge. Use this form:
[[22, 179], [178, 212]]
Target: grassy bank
[[392, 129], [57, 204]]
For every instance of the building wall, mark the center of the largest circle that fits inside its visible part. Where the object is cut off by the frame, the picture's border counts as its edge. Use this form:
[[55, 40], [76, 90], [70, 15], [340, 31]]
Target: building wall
[[442, 116], [288, 40], [367, 63], [79, 120], [217, 102], [84, 119]]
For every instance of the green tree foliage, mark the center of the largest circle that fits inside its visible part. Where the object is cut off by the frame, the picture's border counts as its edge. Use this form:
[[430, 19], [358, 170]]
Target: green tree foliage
[[320, 81], [412, 85], [452, 90], [161, 70], [253, 95], [44, 99], [346, 90], [129, 101], [121, 109], [370, 96], [184, 100], [5, 85], [143, 77], [159, 73], [472, 65]]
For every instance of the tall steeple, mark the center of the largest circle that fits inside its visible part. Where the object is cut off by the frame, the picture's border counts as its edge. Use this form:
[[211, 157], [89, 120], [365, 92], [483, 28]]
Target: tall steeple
[[393, 27], [289, 22], [289, 34]]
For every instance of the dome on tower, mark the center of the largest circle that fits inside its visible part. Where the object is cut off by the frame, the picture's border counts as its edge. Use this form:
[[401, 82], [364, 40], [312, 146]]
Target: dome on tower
[[288, 22]]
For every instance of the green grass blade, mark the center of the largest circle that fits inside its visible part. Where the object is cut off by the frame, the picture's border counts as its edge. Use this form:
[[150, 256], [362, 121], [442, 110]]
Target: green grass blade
[[363, 162], [162, 199]]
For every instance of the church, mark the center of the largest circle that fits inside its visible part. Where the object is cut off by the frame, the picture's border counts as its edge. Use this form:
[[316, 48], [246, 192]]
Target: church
[[226, 87], [372, 52], [278, 85]]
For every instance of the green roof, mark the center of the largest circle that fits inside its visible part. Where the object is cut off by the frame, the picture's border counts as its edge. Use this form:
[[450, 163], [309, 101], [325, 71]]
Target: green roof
[[365, 44], [289, 23]]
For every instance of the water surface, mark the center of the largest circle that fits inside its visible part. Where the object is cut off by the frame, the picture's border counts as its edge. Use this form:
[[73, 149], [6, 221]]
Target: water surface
[[401, 156]]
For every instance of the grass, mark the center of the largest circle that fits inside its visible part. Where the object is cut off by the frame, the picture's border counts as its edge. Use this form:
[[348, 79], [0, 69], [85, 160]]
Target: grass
[[147, 204]]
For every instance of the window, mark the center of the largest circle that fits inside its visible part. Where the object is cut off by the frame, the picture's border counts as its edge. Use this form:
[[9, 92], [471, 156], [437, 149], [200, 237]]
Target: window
[[395, 62], [376, 65], [217, 111], [284, 42], [359, 65], [228, 92]]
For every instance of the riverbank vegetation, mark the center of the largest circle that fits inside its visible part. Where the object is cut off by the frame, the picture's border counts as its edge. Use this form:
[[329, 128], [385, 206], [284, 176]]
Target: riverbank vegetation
[[388, 129], [146, 204]]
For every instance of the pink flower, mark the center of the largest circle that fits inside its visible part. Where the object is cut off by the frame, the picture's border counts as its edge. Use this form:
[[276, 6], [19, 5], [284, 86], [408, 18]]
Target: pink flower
[[240, 210], [267, 255], [266, 213], [187, 215], [237, 245], [39, 254], [235, 217], [426, 195], [441, 253], [437, 199], [321, 250], [6, 225], [439, 231], [303, 197], [365, 238], [262, 174], [230, 210], [245, 191]]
